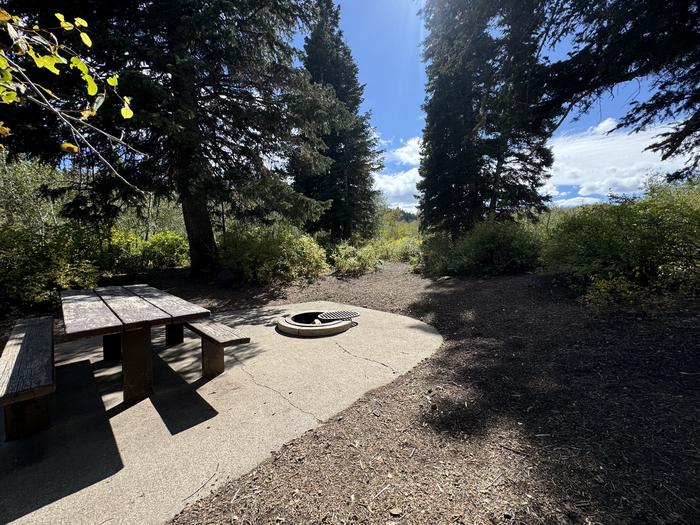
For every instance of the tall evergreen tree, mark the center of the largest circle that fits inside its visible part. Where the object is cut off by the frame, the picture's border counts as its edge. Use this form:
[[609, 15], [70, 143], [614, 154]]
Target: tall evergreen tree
[[484, 142], [216, 95], [350, 144], [515, 125]]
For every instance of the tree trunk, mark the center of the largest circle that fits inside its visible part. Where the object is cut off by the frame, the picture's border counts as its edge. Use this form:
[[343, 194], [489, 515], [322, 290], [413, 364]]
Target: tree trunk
[[189, 168], [199, 229], [494, 187]]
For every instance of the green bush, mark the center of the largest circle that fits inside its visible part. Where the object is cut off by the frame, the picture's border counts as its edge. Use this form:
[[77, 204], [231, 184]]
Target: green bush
[[272, 253], [632, 250], [125, 252], [354, 261], [490, 248], [34, 266], [165, 249], [398, 239], [405, 249]]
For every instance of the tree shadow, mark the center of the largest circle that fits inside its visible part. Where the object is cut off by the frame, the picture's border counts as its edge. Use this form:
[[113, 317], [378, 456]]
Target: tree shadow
[[78, 450], [602, 406]]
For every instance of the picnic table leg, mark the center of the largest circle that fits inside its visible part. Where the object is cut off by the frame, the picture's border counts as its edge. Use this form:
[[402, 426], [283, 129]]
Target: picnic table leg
[[212, 358], [112, 347], [174, 334], [137, 364]]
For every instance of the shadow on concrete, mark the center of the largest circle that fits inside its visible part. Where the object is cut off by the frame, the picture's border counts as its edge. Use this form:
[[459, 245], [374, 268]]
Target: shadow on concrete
[[178, 403], [77, 451]]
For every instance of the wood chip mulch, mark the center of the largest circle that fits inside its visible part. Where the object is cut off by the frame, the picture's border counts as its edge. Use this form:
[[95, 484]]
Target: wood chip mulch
[[535, 410]]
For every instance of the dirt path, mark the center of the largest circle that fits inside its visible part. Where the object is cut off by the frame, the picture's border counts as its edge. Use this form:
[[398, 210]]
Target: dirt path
[[536, 410]]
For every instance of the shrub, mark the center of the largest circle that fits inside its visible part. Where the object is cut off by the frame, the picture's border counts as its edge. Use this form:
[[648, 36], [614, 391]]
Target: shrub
[[634, 249], [125, 252], [354, 261], [165, 249], [34, 267], [272, 253], [405, 249], [490, 248]]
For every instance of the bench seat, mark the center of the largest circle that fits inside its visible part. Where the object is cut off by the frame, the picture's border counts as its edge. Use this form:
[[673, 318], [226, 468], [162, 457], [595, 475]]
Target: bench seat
[[215, 337], [27, 377]]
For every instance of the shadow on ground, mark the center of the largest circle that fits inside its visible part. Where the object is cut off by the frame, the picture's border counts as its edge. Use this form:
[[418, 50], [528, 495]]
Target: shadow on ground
[[82, 457], [603, 409]]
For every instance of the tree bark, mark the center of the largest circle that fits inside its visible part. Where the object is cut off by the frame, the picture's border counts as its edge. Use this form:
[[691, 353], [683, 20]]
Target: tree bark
[[199, 229], [189, 168]]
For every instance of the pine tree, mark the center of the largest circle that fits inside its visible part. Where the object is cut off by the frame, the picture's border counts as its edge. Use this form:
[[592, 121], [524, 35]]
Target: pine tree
[[512, 118], [484, 143], [215, 92], [350, 143]]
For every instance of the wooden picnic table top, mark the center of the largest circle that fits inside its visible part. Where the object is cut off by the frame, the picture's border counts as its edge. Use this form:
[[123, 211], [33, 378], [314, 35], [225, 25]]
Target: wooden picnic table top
[[113, 309]]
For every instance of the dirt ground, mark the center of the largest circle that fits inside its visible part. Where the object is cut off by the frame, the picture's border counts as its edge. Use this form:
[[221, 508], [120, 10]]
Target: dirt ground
[[535, 410]]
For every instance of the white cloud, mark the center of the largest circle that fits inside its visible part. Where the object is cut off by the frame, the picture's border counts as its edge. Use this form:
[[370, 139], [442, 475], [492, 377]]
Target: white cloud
[[590, 164], [599, 162], [550, 189], [382, 142], [408, 154], [399, 188], [575, 201], [606, 125]]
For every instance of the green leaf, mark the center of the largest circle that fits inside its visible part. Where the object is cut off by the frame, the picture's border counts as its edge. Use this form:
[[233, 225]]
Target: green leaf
[[113, 80], [11, 96], [78, 64], [80, 22], [91, 85], [60, 17], [126, 112], [86, 39]]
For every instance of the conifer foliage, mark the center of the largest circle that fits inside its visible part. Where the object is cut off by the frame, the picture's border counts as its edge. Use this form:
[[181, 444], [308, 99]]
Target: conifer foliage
[[484, 143], [350, 143]]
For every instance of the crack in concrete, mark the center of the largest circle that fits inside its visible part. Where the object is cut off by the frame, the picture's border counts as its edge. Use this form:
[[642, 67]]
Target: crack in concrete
[[263, 385], [365, 358]]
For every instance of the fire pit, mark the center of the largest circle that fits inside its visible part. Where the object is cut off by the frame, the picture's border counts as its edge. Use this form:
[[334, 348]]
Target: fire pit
[[314, 323]]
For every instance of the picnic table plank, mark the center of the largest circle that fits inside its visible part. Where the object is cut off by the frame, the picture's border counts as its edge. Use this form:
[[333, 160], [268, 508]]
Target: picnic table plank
[[179, 309], [218, 333], [133, 311], [26, 363], [86, 314]]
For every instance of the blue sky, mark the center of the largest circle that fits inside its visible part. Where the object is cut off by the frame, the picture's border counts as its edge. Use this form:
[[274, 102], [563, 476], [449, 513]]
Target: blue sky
[[385, 38]]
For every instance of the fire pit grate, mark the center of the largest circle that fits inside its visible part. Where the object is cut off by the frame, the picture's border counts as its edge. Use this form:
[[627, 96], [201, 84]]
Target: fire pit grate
[[337, 316]]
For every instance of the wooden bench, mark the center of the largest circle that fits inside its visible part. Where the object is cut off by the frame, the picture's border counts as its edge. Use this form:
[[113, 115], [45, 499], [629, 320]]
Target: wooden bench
[[27, 377], [215, 337]]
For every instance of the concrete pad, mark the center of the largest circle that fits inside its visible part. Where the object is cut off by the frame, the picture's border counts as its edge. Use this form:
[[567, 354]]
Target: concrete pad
[[102, 462]]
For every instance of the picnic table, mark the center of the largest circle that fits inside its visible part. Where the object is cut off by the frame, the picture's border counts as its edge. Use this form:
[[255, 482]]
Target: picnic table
[[124, 316]]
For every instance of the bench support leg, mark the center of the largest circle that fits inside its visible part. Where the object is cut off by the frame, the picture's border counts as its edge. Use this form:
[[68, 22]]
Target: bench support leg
[[212, 358], [137, 364], [112, 347], [174, 334], [26, 417]]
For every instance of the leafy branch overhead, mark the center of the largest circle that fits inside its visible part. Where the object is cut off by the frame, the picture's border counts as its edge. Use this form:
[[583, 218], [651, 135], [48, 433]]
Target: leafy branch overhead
[[27, 48]]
